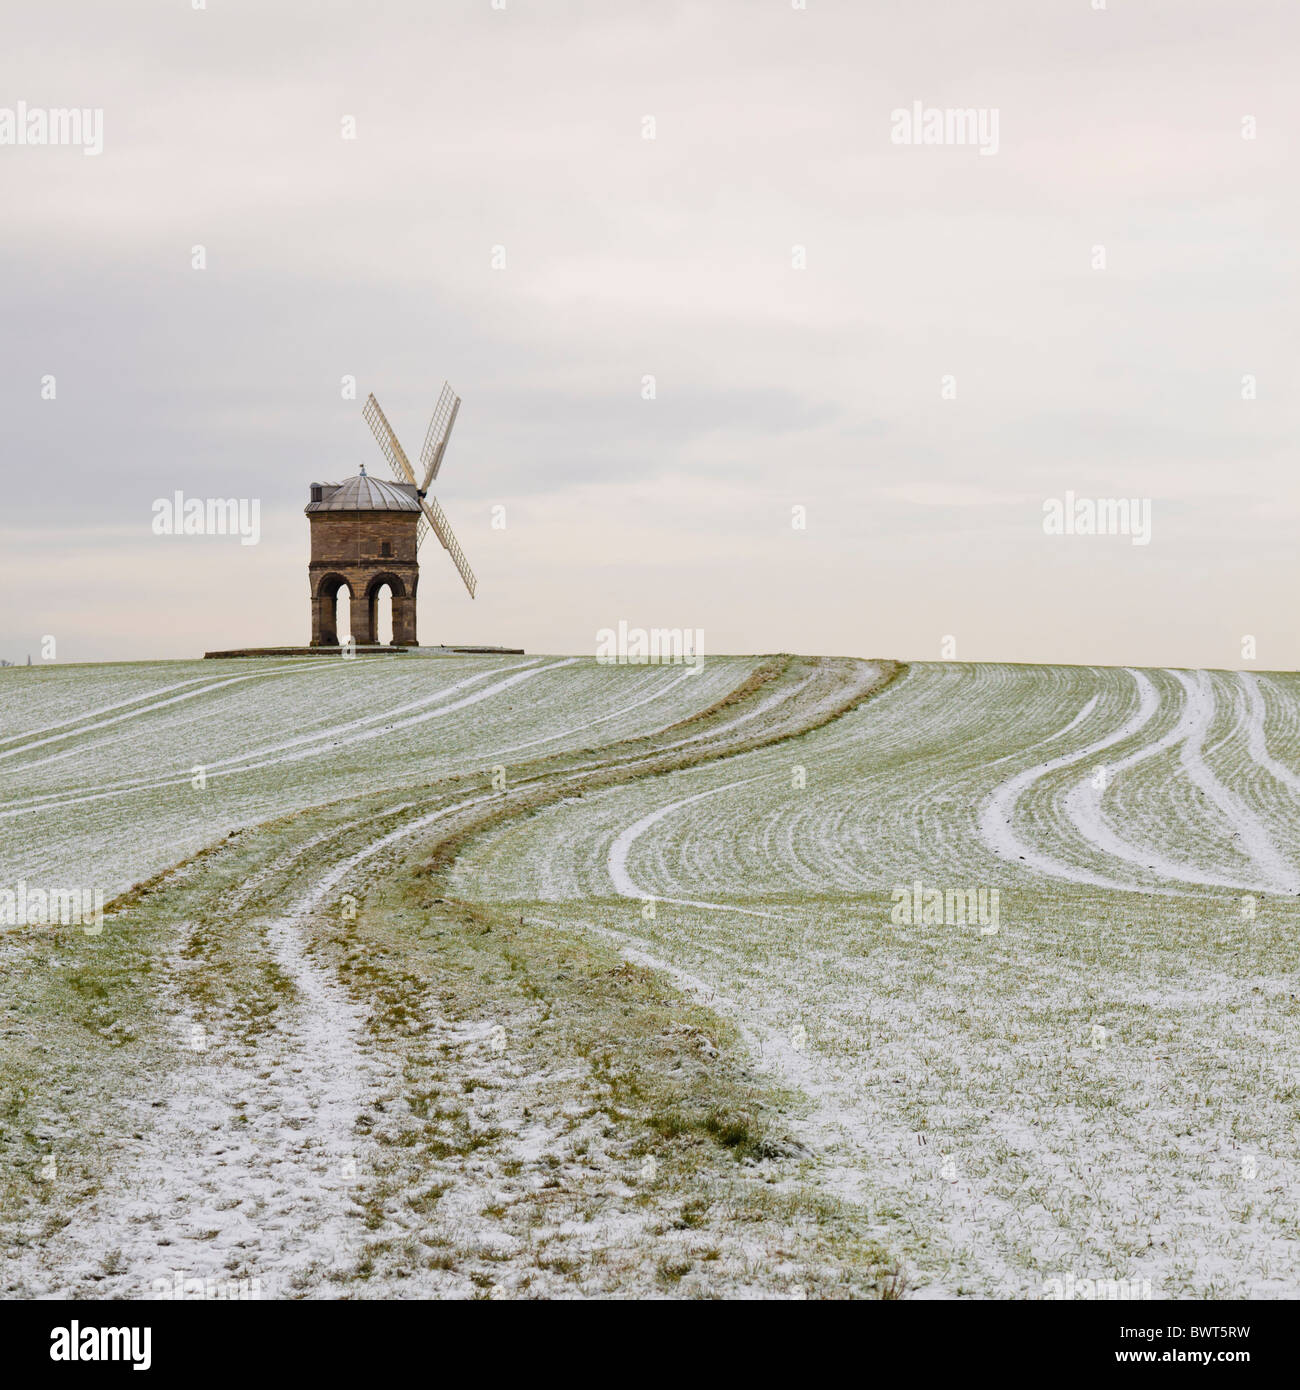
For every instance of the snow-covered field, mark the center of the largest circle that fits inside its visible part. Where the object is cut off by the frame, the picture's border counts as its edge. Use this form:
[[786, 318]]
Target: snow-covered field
[[1018, 940], [1099, 1081], [110, 773]]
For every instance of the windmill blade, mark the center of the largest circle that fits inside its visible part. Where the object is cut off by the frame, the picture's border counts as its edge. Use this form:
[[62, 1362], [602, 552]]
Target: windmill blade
[[439, 432], [387, 441], [437, 519]]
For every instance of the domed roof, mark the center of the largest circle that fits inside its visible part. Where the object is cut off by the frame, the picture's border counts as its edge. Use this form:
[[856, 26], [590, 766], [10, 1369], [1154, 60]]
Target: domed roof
[[365, 494]]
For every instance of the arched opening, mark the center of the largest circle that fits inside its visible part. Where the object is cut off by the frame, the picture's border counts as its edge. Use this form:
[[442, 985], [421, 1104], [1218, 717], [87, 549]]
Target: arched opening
[[333, 619], [343, 614], [382, 625], [386, 595]]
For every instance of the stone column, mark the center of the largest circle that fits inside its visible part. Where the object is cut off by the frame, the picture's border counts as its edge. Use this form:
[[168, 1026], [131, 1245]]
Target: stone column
[[363, 628], [404, 621], [323, 627]]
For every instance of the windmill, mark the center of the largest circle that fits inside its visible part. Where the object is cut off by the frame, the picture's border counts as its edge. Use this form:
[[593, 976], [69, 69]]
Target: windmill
[[435, 445]]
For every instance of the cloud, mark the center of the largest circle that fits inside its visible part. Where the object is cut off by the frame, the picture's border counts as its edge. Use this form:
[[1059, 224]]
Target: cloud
[[672, 258]]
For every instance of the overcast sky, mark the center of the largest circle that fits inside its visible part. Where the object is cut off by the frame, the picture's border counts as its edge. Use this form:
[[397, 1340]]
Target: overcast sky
[[523, 127]]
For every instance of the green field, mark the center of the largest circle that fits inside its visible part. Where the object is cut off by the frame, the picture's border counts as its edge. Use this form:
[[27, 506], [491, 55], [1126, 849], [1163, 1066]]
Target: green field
[[530, 976]]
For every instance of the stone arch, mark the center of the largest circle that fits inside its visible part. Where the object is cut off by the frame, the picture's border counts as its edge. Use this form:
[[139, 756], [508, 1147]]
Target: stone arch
[[348, 548], [325, 609], [394, 582], [403, 607]]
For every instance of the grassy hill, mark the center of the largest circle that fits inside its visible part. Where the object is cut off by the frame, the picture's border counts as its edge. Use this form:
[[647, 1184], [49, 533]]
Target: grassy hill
[[527, 975]]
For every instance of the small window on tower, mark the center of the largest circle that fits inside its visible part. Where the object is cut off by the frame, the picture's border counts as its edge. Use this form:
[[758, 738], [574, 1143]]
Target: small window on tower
[[385, 547]]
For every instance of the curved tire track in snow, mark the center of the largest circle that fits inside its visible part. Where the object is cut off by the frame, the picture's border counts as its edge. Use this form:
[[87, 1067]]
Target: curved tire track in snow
[[1276, 875], [1084, 804], [997, 815], [359, 735], [1257, 739], [152, 707], [616, 862]]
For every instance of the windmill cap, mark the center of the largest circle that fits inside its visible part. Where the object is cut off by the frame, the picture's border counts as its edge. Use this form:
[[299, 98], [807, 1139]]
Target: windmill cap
[[366, 494]]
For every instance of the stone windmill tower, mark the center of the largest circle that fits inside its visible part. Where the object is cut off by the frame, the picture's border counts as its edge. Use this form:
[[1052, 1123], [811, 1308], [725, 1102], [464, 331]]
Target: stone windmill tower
[[365, 533]]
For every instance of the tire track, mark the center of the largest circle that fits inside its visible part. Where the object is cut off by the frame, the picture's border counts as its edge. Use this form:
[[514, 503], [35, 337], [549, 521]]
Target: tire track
[[316, 664], [1277, 876], [57, 800], [997, 814], [1257, 741], [616, 861], [1084, 804]]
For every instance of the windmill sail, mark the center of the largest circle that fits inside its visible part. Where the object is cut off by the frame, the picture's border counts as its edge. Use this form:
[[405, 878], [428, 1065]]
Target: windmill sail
[[388, 442], [442, 529], [435, 440]]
